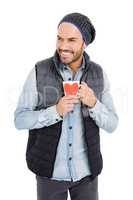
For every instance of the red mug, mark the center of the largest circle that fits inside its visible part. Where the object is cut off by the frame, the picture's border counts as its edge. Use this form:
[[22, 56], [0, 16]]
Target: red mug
[[71, 87]]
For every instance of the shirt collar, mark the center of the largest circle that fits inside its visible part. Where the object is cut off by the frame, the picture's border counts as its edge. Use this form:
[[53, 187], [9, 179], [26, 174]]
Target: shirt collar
[[63, 66]]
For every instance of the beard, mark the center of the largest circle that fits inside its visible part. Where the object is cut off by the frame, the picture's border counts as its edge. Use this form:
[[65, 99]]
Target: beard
[[68, 57]]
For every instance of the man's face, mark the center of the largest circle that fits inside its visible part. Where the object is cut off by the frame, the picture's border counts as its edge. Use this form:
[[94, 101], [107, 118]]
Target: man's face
[[70, 44]]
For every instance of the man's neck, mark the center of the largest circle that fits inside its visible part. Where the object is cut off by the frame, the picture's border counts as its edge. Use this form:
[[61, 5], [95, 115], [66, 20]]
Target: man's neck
[[75, 65]]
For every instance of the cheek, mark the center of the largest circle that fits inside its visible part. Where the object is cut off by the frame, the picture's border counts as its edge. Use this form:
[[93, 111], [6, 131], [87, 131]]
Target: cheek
[[76, 47], [57, 44]]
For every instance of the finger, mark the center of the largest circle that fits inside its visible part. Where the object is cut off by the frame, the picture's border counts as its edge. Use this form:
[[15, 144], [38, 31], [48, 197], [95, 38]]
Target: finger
[[68, 97], [70, 107], [80, 85], [84, 84], [72, 101], [71, 97]]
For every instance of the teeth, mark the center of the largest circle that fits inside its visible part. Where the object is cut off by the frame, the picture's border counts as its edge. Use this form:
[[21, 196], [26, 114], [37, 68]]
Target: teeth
[[65, 53]]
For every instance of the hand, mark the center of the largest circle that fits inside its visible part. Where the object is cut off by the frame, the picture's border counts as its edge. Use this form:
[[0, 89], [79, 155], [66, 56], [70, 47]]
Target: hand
[[87, 95], [66, 104]]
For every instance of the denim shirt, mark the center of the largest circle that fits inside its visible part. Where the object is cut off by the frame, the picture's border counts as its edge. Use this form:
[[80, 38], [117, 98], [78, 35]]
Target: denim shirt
[[71, 159]]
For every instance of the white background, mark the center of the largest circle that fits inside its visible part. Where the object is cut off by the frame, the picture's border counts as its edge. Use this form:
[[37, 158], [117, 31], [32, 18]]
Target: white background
[[28, 34]]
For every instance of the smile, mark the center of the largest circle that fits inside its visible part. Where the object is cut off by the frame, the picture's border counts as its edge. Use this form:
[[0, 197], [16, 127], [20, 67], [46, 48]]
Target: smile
[[65, 53]]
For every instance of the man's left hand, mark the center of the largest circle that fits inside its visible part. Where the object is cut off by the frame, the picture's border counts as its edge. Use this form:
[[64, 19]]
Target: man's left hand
[[87, 95]]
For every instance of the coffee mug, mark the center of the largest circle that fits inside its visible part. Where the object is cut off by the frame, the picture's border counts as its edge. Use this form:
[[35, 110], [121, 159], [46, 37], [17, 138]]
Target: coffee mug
[[71, 87]]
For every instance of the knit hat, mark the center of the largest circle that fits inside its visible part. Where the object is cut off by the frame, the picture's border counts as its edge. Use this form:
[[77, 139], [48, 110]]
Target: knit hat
[[84, 25]]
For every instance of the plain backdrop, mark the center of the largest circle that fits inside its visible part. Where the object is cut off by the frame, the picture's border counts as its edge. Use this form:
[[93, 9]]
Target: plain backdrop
[[28, 34]]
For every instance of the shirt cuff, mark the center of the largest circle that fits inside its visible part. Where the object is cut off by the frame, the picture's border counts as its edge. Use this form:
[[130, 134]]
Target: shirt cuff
[[96, 109], [50, 115]]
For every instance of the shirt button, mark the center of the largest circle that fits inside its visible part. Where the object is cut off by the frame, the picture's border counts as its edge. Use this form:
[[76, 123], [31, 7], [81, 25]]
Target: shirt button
[[57, 120], [70, 158], [69, 79], [70, 127], [70, 145], [91, 112]]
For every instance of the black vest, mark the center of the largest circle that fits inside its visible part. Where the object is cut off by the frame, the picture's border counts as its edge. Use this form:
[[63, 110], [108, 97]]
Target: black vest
[[42, 143]]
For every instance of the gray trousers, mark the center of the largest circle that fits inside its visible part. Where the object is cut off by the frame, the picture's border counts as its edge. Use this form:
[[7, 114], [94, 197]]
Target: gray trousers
[[84, 189]]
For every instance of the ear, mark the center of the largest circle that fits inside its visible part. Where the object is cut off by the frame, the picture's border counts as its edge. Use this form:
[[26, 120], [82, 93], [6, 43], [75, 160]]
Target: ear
[[84, 46]]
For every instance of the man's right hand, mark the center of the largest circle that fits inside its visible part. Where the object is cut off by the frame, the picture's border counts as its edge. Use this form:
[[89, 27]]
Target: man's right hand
[[66, 104]]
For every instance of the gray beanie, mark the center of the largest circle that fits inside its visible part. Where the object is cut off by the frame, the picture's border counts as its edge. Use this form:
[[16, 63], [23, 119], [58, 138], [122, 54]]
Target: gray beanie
[[84, 25]]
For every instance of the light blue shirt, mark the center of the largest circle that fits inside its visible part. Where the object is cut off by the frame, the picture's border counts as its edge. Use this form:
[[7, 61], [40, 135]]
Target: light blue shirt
[[71, 158]]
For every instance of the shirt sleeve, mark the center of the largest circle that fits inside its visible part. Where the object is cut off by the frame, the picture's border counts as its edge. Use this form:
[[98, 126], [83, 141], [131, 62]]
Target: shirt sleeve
[[25, 117], [104, 112]]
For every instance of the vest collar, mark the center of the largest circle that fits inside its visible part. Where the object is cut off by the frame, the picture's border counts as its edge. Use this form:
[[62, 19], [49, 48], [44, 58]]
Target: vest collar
[[57, 62]]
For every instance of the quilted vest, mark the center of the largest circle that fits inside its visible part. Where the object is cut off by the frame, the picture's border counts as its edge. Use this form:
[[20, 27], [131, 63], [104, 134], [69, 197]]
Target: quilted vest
[[43, 142]]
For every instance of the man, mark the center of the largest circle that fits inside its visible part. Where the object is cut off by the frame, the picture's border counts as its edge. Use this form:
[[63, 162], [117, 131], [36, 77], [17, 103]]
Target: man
[[63, 147]]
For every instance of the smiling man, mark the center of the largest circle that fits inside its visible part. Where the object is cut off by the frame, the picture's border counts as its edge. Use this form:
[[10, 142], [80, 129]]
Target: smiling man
[[63, 147], [70, 44]]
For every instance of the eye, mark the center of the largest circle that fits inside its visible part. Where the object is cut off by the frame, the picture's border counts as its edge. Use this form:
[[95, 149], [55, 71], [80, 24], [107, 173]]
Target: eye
[[58, 38], [72, 40]]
